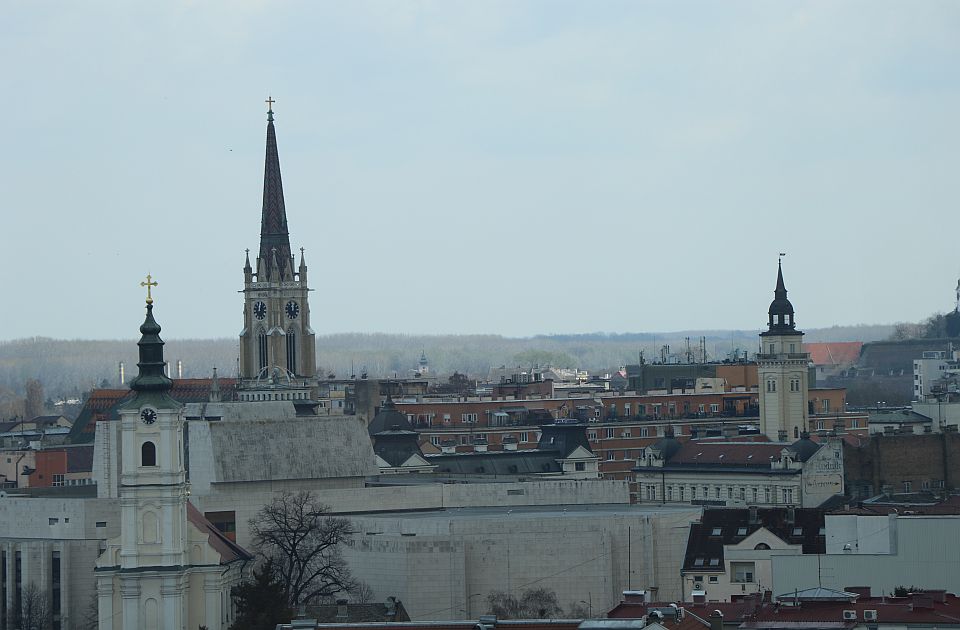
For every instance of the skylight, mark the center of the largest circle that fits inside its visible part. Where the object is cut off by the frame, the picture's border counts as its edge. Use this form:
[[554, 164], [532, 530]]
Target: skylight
[[742, 531], [716, 531]]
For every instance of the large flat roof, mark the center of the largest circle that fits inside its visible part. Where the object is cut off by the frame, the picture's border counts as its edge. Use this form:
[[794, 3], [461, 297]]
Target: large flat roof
[[499, 512]]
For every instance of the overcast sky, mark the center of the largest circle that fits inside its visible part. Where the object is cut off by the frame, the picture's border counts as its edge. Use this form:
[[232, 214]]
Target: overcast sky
[[464, 167]]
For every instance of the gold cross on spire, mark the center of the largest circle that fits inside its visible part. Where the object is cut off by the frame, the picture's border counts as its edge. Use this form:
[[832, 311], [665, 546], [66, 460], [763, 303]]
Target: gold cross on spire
[[269, 103], [149, 284]]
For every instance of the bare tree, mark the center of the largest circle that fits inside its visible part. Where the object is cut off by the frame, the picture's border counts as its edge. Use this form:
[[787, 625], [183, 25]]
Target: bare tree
[[34, 609], [535, 603], [302, 539], [33, 405], [362, 593]]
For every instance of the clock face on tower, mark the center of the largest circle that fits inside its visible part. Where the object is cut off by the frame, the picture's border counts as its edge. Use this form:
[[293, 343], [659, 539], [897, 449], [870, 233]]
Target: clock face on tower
[[260, 310], [148, 416], [293, 309]]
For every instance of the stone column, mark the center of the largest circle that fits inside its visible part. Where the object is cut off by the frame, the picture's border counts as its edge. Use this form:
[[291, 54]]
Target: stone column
[[130, 603], [105, 611], [11, 551], [171, 595], [211, 601], [66, 587]]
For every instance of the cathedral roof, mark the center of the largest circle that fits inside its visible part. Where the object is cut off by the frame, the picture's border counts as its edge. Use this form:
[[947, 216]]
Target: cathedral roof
[[274, 237]]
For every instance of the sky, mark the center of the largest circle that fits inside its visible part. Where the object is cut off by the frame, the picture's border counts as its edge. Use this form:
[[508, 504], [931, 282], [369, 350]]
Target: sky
[[512, 167]]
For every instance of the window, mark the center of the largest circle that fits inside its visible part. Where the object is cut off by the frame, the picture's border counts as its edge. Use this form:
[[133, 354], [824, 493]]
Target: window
[[525, 437], [907, 486], [741, 572], [755, 493], [626, 409], [435, 440], [762, 547], [610, 433], [741, 531], [643, 431], [772, 351], [716, 531], [580, 466], [468, 418], [641, 410], [713, 579], [611, 455], [793, 348], [698, 562], [681, 493], [771, 385], [788, 495], [291, 351], [743, 494], [730, 493], [262, 349], [825, 405], [693, 492], [58, 480], [714, 408], [669, 493], [714, 562], [700, 408], [717, 491], [148, 454], [925, 485], [819, 425]]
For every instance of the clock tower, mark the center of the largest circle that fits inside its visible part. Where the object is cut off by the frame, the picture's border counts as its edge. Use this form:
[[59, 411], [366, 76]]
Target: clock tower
[[782, 373], [169, 568], [276, 314]]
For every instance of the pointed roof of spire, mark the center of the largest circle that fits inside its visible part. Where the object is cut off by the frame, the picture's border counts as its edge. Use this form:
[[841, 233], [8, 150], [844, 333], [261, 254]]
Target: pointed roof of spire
[[780, 292], [781, 310], [273, 221], [152, 381]]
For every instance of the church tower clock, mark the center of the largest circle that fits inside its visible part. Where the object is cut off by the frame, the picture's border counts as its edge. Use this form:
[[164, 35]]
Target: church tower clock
[[276, 314], [782, 374]]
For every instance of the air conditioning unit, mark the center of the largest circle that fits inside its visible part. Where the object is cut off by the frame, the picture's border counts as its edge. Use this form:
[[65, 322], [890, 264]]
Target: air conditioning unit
[[849, 615], [869, 615], [698, 586]]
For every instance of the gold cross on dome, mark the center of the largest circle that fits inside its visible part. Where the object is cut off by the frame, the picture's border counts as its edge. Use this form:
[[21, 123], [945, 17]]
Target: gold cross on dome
[[269, 103], [149, 284]]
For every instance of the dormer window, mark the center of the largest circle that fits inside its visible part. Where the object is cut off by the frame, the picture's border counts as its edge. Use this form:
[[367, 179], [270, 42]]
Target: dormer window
[[742, 531]]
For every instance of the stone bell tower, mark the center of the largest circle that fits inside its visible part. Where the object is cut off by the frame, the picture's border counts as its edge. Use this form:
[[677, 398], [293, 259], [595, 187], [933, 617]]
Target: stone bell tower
[[276, 313], [782, 371]]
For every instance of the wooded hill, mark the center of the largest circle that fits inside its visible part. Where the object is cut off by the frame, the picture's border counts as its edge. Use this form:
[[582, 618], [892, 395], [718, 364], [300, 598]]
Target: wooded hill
[[71, 367]]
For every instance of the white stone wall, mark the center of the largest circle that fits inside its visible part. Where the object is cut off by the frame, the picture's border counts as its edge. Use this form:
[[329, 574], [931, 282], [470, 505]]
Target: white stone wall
[[443, 565], [38, 527], [349, 496], [670, 483]]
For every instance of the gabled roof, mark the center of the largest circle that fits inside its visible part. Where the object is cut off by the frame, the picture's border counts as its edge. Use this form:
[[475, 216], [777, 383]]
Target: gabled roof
[[102, 404], [834, 353], [229, 551], [720, 527]]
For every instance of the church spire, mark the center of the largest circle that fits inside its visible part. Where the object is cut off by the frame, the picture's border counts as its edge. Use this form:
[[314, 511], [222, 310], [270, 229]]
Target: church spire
[[151, 377], [273, 222]]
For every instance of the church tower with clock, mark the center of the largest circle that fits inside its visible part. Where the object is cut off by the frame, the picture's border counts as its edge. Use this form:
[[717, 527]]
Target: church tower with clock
[[276, 314], [169, 568]]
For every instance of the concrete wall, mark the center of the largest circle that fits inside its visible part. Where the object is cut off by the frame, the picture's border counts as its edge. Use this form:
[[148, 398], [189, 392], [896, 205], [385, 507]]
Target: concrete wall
[[927, 556], [444, 565], [349, 496], [27, 526]]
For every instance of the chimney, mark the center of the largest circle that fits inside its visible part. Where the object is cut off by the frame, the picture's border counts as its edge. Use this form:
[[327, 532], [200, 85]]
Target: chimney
[[862, 591], [509, 443], [791, 515], [699, 597], [920, 601], [716, 620], [342, 614], [635, 597], [480, 446], [448, 447], [391, 608]]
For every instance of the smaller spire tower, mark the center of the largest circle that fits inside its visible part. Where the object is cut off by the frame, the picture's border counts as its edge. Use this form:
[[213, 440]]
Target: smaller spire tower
[[782, 370]]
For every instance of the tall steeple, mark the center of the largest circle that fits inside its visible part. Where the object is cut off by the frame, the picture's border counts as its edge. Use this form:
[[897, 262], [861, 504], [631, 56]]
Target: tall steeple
[[780, 313], [273, 222], [276, 331]]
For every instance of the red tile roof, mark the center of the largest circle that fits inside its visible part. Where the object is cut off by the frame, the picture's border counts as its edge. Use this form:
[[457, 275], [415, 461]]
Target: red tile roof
[[837, 353], [890, 610], [728, 453]]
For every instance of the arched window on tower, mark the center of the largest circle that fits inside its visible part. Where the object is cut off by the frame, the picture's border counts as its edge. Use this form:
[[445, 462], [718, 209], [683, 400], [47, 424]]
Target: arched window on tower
[[261, 349], [292, 350], [796, 433], [148, 454]]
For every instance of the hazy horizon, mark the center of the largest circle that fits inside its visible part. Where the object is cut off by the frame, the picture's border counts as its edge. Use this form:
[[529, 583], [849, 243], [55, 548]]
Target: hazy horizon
[[503, 166]]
